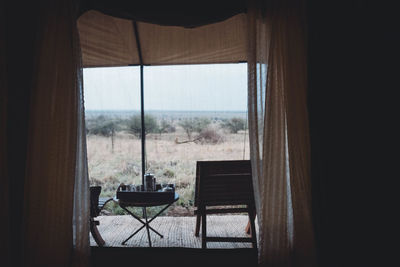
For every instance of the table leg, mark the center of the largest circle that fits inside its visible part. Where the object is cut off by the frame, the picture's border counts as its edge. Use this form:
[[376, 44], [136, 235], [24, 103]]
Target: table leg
[[140, 220], [126, 240], [144, 225], [147, 226], [155, 216]]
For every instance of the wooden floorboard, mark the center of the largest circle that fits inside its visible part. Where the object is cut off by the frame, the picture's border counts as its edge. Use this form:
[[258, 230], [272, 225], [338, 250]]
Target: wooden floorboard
[[178, 232]]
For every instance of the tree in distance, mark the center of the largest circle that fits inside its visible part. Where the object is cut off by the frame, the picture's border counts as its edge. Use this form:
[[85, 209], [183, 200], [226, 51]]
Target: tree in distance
[[194, 125], [104, 127], [166, 127], [235, 124], [135, 125]]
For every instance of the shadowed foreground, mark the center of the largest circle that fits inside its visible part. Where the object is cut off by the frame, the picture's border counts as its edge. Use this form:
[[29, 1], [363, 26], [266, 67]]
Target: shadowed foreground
[[179, 247], [177, 231]]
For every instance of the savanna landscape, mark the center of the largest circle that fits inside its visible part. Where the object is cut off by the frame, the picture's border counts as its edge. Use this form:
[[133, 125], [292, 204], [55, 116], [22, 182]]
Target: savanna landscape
[[174, 142]]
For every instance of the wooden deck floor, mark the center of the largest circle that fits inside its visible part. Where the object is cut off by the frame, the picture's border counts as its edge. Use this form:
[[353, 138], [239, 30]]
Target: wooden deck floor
[[178, 231]]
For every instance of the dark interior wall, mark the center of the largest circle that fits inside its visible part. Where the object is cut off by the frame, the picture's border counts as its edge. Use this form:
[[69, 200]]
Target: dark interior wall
[[20, 38], [353, 79]]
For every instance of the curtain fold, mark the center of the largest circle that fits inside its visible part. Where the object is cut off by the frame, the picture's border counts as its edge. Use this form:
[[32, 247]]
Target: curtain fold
[[81, 213], [279, 132], [56, 198]]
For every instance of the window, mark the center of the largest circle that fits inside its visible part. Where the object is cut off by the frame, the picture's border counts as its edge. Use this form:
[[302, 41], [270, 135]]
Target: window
[[192, 112]]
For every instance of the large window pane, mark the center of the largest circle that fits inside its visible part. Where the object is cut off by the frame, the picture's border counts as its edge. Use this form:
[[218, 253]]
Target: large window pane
[[112, 103], [196, 112]]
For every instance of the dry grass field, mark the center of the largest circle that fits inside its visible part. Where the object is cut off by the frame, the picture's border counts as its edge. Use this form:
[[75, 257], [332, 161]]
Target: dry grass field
[[170, 161]]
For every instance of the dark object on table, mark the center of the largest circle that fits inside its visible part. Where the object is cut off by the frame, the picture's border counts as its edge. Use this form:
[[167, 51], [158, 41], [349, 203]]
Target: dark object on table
[[224, 183], [149, 182], [96, 205], [168, 188], [158, 187]]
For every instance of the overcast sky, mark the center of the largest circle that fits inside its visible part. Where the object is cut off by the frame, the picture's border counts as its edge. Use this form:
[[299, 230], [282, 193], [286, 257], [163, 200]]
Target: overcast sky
[[219, 87]]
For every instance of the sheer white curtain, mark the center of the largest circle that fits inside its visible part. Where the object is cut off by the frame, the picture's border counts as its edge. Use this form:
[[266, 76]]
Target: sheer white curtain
[[81, 212], [279, 132], [56, 201]]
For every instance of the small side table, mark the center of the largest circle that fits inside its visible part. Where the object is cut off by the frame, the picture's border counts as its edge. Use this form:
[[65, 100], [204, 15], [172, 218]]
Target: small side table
[[147, 202]]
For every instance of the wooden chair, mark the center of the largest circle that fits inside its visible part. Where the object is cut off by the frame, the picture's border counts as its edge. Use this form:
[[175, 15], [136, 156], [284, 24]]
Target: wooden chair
[[221, 185], [96, 205]]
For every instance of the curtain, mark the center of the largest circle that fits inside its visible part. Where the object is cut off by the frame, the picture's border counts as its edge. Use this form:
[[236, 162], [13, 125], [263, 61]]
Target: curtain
[[279, 138], [56, 198], [81, 212]]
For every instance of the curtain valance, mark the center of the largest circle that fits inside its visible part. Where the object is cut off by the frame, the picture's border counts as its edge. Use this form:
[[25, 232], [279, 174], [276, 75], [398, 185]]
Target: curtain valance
[[220, 35]]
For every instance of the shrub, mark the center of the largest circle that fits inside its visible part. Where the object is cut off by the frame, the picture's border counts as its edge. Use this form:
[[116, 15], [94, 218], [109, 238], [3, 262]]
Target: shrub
[[135, 125], [194, 125], [107, 129], [210, 136], [110, 184], [235, 124], [103, 126], [131, 168], [166, 127], [168, 173]]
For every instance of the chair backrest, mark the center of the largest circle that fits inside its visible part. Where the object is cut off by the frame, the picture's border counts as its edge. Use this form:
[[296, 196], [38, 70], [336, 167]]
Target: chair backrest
[[222, 183], [94, 200]]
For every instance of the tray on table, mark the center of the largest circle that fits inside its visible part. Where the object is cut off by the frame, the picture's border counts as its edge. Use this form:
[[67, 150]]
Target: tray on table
[[145, 198]]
